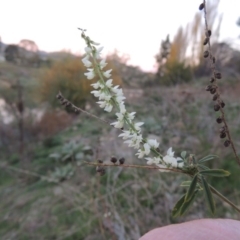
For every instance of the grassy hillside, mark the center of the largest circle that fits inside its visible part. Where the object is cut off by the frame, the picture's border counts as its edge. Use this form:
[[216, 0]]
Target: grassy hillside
[[49, 193]]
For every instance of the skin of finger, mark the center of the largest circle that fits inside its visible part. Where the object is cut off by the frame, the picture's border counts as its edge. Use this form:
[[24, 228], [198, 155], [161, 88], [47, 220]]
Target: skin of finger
[[207, 229]]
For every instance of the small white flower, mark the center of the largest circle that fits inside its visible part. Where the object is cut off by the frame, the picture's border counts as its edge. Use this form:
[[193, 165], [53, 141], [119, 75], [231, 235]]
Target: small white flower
[[115, 89], [108, 107], [103, 63], [170, 152], [142, 152], [96, 93], [120, 116], [153, 143], [86, 61], [96, 85], [131, 115], [107, 74], [98, 52], [118, 124], [109, 83], [106, 97], [170, 160], [102, 104], [138, 125], [88, 50], [149, 161], [120, 99], [91, 74], [137, 138], [125, 134], [122, 108]]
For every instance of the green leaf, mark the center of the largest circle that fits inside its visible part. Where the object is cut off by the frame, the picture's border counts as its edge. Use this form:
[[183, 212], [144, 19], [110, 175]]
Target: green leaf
[[183, 154], [177, 207], [208, 195], [192, 188], [207, 158], [203, 167], [185, 184], [215, 172], [187, 204]]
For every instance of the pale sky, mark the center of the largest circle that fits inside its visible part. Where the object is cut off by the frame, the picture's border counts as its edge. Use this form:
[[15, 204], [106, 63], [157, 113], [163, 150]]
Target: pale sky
[[134, 27]]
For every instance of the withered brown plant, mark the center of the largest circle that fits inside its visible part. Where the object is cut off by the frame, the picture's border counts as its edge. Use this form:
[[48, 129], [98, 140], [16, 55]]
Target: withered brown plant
[[213, 86]]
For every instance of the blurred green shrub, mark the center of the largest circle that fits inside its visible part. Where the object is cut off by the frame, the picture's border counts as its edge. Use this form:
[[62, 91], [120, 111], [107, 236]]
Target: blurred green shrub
[[68, 77], [175, 73]]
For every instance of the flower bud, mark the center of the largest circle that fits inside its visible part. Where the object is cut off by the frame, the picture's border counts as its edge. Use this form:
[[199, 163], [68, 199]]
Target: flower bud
[[100, 161], [213, 59]]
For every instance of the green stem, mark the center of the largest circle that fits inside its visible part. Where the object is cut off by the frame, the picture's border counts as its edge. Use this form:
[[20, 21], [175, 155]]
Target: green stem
[[216, 192]]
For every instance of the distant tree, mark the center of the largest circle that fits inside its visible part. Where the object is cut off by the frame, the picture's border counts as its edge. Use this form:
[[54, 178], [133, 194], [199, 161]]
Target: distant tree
[[11, 53], [162, 56], [28, 53], [68, 78]]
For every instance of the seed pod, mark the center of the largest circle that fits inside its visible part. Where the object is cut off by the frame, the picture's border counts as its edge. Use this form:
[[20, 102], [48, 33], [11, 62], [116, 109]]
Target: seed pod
[[216, 107], [212, 80], [121, 160], [58, 96], [222, 104], [201, 7], [113, 160], [213, 59], [206, 54], [215, 97], [206, 41], [218, 75], [213, 90], [222, 129], [227, 143], [209, 32], [219, 120], [209, 87], [222, 135], [64, 102]]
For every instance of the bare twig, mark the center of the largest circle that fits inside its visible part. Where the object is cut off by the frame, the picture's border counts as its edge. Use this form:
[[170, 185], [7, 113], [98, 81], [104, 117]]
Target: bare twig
[[76, 109], [214, 89]]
